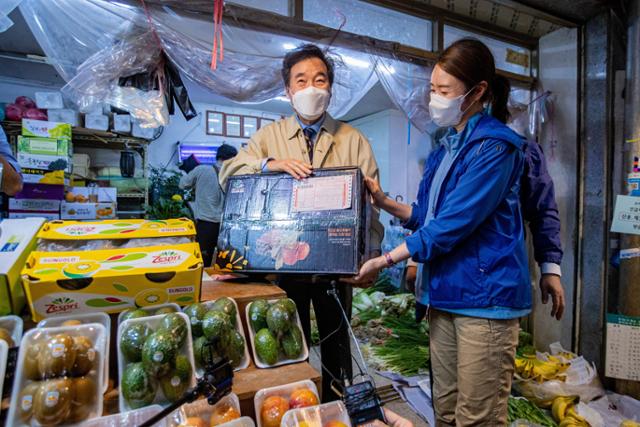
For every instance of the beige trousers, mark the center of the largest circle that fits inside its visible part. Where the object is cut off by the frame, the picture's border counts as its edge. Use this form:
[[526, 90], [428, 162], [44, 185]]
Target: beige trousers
[[472, 360]]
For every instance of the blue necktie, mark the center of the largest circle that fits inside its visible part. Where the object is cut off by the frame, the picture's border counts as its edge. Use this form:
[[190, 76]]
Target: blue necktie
[[309, 135]]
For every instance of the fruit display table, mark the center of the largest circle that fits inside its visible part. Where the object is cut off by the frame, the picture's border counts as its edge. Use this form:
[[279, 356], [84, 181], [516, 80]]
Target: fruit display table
[[247, 382]]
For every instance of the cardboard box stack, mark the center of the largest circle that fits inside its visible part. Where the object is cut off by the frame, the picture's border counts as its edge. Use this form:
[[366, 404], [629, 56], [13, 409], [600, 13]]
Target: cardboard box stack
[[111, 266]]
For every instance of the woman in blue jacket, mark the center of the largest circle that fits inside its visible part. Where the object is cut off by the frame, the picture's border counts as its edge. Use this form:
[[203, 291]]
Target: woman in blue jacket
[[468, 232]]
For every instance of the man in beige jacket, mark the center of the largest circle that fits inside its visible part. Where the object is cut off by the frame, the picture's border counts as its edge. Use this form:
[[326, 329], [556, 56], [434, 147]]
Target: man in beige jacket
[[307, 140]]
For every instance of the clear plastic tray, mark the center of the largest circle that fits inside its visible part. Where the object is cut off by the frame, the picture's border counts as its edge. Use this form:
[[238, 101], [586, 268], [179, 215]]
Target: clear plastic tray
[[318, 416], [151, 309], [128, 419], [281, 360], [153, 322], [282, 391], [14, 325], [240, 422], [98, 317], [93, 331], [4, 355], [245, 359], [201, 409]]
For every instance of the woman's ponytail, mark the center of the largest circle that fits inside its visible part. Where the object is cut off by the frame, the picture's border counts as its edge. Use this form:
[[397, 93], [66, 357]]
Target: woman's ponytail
[[500, 89]]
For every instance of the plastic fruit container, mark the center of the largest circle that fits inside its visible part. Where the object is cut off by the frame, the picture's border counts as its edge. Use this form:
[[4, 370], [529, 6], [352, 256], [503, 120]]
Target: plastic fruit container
[[244, 362], [282, 359], [128, 419], [59, 376], [4, 354], [80, 319], [13, 325], [151, 309], [226, 410], [156, 366], [284, 392], [332, 414]]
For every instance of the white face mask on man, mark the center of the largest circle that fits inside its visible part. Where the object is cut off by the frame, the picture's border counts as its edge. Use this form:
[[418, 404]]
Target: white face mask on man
[[445, 111], [311, 102]]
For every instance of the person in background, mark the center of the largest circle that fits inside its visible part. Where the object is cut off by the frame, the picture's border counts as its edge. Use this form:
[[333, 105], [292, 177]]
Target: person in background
[[11, 177], [209, 199], [469, 234], [307, 140]]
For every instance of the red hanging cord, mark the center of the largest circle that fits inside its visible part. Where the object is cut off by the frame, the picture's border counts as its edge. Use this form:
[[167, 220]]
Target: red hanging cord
[[153, 27], [218, 8]]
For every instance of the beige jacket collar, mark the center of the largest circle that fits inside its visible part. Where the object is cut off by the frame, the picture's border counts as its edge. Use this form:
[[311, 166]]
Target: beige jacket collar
[[330, 125]]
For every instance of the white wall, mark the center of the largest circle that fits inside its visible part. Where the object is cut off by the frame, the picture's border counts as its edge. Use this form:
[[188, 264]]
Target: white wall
[[163, 152], [558, 73]]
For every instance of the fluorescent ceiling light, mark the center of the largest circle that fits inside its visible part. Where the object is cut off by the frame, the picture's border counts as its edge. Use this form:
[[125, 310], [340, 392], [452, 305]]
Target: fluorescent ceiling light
[[282, 98], [288, 46]]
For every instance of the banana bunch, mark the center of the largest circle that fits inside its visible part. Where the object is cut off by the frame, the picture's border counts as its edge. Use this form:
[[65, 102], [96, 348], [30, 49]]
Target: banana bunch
[[531, 367], [564, 412], [629, 423]]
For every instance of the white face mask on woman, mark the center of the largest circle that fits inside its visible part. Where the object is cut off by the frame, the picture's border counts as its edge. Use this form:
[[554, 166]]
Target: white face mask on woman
[[311, 103], [445, 111]]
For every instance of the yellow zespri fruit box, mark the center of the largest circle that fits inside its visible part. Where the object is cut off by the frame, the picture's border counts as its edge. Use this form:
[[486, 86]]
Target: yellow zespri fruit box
[[111, 280], [117, 229]]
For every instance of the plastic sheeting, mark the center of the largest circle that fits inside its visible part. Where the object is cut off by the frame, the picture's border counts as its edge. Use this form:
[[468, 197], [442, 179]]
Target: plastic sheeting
[[92, 43]]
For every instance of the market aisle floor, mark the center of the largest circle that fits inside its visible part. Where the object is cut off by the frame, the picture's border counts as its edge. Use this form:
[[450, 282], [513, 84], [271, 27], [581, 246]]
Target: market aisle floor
[[398, 406]]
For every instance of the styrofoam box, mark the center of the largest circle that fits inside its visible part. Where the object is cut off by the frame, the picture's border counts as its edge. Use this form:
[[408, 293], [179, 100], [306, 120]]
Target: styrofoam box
[[153, 322], [140, 132], [151, 309], [14, 325], [96, 121], [94, 331], [281, 361], [64, 115], [129, 419], [102, 318], [245, 359], [317, 416], [48, 100], [4, 356], [282, 391], [201, 409], [122, 123], [81, 160]]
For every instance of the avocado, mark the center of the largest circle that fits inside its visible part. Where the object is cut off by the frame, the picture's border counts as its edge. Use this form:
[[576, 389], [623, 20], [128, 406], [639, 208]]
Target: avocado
[[57, 357], [266, 346], [133, 314], [25, 402], [85, 356], [258, 314], [137, 387], [175, 324], [52, 402], [289, 305], [176, 382], [158, 352], [278, 319], [195, 313], [234, 348], [5, 335], [227, 306], [292, 342], [132, 340], [85, 395], [216, 325], [165, 310]]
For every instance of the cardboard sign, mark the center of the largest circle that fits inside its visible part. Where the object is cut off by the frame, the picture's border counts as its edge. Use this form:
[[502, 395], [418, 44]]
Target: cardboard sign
[[626, 215]]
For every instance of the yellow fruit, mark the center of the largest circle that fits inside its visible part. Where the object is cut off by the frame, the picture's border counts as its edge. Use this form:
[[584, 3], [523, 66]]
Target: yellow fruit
[[193, 422], [571, 412], [629, 423], [71, 323], [5, 335], [561, 406]]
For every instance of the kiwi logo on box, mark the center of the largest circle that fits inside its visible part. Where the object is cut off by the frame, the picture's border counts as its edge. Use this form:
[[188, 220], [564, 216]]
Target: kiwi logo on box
[[62, 305]]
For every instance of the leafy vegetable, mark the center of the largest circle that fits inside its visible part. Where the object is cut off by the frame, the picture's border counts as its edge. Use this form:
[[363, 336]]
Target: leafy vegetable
[[523, 409]]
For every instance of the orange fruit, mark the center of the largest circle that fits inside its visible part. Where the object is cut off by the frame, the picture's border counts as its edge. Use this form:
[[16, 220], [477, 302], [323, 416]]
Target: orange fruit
[[273, 409], [224, 414], [302, 398], [193, 422], [335, 423]]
